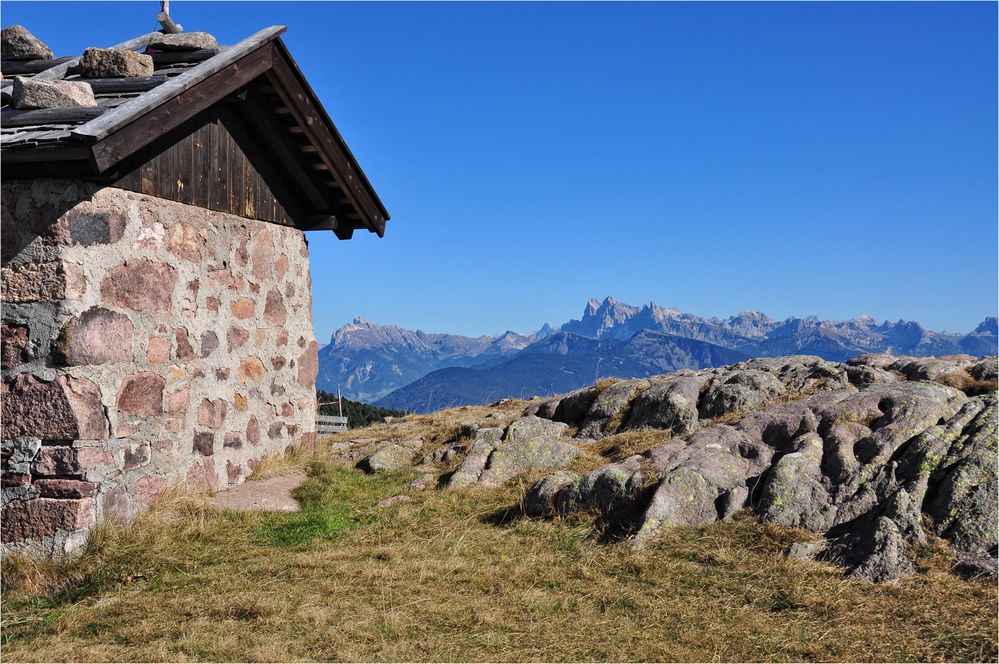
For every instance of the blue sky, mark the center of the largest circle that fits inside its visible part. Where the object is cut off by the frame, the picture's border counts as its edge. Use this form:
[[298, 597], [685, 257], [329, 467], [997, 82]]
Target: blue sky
[[831, 159]]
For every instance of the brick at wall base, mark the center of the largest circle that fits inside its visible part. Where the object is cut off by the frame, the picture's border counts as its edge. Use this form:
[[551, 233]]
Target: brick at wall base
[[53, 524]]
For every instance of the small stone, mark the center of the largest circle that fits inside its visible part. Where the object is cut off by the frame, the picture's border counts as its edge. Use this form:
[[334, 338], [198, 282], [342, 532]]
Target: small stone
[[97, 336], [233, 472], [177, 400], [184, 242], [201, 476], [54, 460], [114, 63], [233, 439], [209, 342], [185, 351], [262, 255], [61, 488], [182, 41], [137, 455], [212, 413], [239, 401], [242, 308], [141, 394], [140, 284], [250, 370], [274, 311], [204, 443], [308, 366], [29, 93], [394, 500], [423, 482], [17, 43], [14, 346], [805, 550], [88, 226], [253, 431], [158, 350], [236, 337], [149, 487]]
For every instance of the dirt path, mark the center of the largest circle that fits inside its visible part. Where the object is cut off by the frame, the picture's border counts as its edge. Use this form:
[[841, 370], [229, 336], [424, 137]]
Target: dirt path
[[268, 495]]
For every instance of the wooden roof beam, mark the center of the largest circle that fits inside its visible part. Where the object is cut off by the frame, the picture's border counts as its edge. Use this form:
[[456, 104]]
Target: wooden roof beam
[[309, 114]]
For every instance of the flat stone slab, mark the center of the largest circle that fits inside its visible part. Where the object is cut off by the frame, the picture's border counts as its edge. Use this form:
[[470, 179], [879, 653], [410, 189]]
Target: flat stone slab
[[268, 495]]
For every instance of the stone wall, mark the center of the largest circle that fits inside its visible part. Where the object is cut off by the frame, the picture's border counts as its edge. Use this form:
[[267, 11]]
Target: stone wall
[[145, 343]]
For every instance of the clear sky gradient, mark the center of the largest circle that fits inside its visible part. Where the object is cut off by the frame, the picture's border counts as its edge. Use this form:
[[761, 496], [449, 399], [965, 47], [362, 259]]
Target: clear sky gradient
[[830, 159]]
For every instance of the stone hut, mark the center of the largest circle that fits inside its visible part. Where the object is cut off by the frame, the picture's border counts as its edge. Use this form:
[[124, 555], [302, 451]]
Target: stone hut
[[157, 324]]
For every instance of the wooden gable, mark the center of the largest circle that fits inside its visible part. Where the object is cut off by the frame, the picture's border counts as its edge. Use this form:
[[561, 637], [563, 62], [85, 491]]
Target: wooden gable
[[240, 131]]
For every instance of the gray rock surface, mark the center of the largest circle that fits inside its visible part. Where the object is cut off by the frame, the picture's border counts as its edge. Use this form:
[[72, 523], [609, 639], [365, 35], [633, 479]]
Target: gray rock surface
[[610, 407], [182, 41], [739, 392], [391, 456], [115, 63], [876, 455], [29, 93], [670, 404], [16, 43]]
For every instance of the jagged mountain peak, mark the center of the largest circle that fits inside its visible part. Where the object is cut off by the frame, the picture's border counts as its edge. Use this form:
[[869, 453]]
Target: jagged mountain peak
[[369, 360], [987, 328]]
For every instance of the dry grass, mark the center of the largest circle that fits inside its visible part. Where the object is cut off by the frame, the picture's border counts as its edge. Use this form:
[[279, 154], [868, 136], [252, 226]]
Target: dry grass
[[450, 576], [971, 386]]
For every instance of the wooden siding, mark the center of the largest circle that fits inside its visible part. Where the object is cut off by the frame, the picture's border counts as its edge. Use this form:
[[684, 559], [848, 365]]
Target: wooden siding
[[212, 161]]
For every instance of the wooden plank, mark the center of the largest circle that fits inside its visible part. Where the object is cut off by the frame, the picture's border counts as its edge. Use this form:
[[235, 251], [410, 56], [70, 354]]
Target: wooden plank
[[309, 113], [271, 134], [22, 67], [218, 183], [43, 116], [127, 113], [153, 123], [184, 163], [173, 57], [137, 84], [201, 162]]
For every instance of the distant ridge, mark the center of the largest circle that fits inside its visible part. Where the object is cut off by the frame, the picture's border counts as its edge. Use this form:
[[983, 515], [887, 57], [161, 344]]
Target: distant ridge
[[371, 362]]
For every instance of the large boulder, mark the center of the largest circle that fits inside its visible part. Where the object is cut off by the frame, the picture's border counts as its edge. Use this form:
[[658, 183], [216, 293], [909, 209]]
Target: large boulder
[[16, 43], [739, 392], [529, 443], [391, 456], [471, 467], [670, 404], [29, 93], [572, 408], [610, 408], [115, 63], [182, 41]]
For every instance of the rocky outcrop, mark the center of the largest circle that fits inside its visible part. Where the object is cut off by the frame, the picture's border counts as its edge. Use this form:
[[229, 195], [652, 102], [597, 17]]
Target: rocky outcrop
[[876, 455]]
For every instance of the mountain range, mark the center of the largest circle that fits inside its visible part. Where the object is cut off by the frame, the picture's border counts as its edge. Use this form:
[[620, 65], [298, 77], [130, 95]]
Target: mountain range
[[418, 371]]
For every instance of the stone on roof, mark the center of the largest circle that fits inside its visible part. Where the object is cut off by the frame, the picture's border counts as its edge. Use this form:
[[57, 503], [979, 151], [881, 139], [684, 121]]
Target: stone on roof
[[16, 43], [182, 41], [114, 63], [35, 93]]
